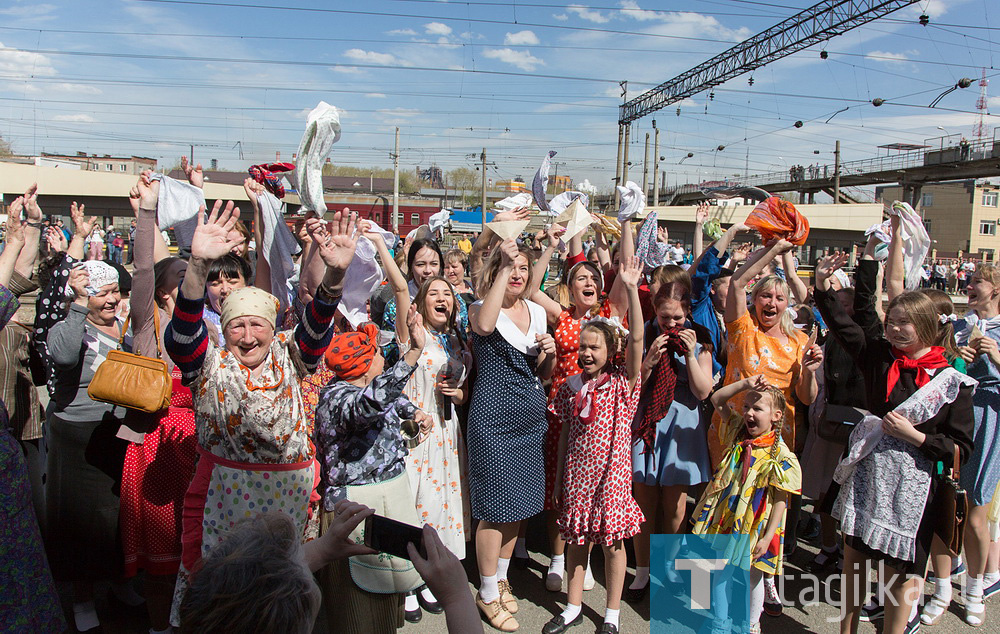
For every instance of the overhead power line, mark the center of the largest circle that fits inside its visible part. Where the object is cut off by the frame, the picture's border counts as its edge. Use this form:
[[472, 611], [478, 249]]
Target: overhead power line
[[817, 23]]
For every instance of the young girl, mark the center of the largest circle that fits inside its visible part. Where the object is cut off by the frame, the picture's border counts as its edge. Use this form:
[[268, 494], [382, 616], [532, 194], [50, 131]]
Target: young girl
[[734, 504], [593, 475], [921, 413], [670, 449]]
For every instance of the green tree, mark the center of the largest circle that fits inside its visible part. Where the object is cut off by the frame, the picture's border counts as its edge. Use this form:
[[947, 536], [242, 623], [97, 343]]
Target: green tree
[[5, 147]]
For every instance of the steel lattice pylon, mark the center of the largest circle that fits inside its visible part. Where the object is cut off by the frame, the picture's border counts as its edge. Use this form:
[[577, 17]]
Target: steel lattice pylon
[[817, 23]]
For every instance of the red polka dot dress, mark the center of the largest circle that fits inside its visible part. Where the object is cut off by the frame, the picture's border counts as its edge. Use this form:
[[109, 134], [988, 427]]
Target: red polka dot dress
[[155, 478], [567, 336], [596, 498]]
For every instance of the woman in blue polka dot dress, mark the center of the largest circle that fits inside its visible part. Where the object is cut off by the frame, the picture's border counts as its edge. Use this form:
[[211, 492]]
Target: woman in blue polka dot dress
[[507, 424]]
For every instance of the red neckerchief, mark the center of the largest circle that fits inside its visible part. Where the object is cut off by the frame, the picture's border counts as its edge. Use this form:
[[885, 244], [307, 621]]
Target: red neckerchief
[[933, 359], [583, 403], [663, 381], [747, 446], [264, 174]]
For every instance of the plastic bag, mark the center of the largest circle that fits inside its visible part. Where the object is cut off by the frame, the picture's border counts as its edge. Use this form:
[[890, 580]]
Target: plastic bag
[[777, 218]]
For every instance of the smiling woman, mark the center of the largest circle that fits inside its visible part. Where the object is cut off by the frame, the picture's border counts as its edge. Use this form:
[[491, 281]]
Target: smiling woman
[[252, 432]]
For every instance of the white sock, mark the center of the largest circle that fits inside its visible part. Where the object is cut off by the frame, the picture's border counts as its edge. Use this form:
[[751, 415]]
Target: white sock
[[125, 593], [913, 611], [85, 616], [942, 588], [410, 603], [991, 578], [611, 616], [956, 562], [558, 565], [521, 548], [641, 578], [428, 595], [571, 612], [502, 566], [488, 589], [974, 588]]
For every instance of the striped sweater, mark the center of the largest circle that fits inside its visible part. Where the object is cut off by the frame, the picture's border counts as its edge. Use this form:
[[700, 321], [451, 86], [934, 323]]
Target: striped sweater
[[186, 338]]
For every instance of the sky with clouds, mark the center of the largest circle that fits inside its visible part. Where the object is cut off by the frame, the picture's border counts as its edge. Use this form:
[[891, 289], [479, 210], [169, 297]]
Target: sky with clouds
[[152, 77]]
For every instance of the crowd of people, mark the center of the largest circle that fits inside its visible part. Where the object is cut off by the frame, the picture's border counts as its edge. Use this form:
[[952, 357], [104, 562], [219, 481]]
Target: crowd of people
[[604, 383]]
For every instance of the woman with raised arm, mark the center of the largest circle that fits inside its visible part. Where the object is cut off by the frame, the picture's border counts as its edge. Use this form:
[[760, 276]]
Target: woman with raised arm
[[437, 387], [507, 423], [253, 438], [161, 455]]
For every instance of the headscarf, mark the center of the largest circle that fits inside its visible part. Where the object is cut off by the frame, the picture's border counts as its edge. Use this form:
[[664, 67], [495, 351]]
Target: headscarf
[[265, 175], [933, 359], [101, 274], [777, 218], [664, 381], [249, 301], [350, 354]]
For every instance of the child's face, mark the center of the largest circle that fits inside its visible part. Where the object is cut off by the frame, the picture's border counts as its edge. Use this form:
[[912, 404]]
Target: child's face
[[669, 314], [759, 414], [593, 352]]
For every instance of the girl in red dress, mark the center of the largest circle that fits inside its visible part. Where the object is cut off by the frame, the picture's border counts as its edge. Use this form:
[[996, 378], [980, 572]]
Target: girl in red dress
[[593, 490]]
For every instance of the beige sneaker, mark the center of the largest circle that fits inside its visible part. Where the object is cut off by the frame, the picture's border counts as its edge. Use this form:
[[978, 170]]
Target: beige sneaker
[[507, 595], [497, 615]]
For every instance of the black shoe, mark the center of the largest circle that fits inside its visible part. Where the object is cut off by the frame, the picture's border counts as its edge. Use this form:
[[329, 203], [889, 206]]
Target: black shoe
[[413, 616], [872, 614], [558, 626], [433, 607], [636, 595], [521, 563], [607, 628]]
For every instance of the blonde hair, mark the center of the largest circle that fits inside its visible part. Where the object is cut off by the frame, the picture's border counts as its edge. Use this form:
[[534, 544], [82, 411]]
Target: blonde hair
[[668, 274], [922, 312], [946, 331], [488, 275], [988, 272], [787, 324]]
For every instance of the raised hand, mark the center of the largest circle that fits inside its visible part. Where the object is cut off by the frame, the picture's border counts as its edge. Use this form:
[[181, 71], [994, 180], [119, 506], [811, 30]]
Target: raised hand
[[78, 281], [337, 240], [14, 235], [813, 358], [701, 213], [827, 266], [82, 226], [56, 240], [194, 174], [630, 272], [521, 213], [553, 233], [32, 212], [252, 189], [546, 343], [509, 250], [145, 193], [415, 324], [368, 231], [214, 237], [781, 244]]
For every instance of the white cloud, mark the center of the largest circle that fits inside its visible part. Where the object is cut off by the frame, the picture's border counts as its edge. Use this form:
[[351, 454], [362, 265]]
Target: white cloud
[[588, 15], [994, 101], [29, 11], [407, 32], [631, 10], [521, 37], [436, 28], [375, 95], [77, 88], [887, 57], [521, 59], [75, 118], [399, 112], [562, 17], [373, 57], [23, 62]]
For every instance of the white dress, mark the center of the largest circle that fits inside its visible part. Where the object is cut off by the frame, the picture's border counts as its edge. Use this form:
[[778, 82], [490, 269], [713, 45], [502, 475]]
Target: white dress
[[437, 466]]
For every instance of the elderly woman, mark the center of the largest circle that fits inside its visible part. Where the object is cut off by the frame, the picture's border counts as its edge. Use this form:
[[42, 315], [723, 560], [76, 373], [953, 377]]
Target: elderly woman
[[85, 456], [253, 443]]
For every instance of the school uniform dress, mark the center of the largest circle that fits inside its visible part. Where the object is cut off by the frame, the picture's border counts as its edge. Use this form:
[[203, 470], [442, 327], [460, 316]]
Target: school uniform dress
[[982, 473]]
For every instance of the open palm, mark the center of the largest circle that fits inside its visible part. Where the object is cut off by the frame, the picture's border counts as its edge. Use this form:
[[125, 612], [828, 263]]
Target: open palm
[[337, 240], [214, 238]]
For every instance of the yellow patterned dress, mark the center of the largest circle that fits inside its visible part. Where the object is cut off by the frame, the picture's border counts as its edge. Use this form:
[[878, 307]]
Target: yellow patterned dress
[[737, 502]]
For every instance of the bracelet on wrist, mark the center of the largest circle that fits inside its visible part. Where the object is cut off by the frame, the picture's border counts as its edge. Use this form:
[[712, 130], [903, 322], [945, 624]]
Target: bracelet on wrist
[[36, 225]]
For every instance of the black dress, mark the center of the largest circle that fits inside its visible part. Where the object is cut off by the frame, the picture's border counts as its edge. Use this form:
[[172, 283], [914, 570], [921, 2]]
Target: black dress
[[949, 430]]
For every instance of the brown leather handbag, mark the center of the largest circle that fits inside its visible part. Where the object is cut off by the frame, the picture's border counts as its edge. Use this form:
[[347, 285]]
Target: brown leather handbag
[[950, 507], [131, 380]]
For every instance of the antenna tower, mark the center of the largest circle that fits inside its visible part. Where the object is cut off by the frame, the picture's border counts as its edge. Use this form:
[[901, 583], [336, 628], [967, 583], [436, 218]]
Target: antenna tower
[[980, 131]]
